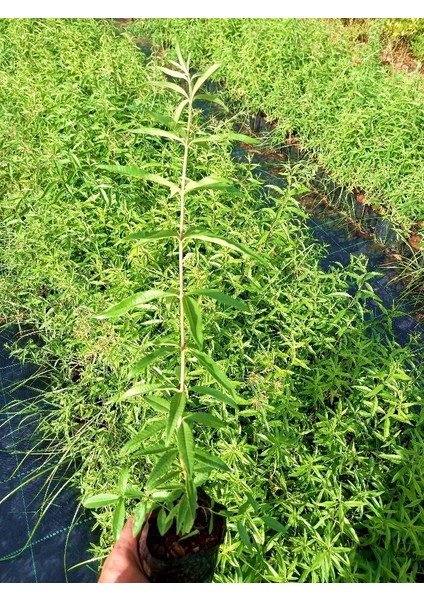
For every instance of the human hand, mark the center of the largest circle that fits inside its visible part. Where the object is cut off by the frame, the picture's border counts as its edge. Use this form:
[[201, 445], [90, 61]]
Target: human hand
[[123, 564]]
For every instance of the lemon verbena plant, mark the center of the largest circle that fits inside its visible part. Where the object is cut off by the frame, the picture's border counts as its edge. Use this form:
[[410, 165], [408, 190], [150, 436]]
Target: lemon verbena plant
[[181, 464]]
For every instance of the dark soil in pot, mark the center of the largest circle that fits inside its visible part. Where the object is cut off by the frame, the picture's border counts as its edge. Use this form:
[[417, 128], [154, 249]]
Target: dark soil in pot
[[177, 558]]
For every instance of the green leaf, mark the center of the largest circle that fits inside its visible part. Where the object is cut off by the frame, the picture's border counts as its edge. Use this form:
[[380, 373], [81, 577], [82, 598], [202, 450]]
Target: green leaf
[[118, 518], [179, 110], [185, 445], [147, 432], [202, 78], [160, 118], [221, 297], [136, 172], [252, 501], [212, 183], [244, 534], [134, 301], [174, 189], [183, 509], [212, 98], [183, 65], [171, 86], [173, 73], [274, 524], [148, 450], [124, 170], [139, 517], [193, 314], [215, 370], [208, 236], [162, 521], [176, 409], [147, 360], [161, 468], [168, 495], [204, 390], [142, 389], [157, 133], [144, 237], [204, 418], [239, 137], [213, 462], [191, 492], [100, 500], [133, 492], [123, 480], [158, 403]]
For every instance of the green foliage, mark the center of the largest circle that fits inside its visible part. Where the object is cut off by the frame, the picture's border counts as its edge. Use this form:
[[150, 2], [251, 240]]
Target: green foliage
[[180, 419], [359, 119], [403, 29], [320, 468]]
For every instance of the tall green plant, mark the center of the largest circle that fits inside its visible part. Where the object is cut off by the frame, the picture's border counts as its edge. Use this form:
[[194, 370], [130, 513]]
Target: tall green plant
[[181, 464]]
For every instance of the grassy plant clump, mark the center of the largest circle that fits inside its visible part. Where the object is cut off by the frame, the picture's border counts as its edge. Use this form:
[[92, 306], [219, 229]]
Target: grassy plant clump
[[406, 31], [324, 448], [362, 121]]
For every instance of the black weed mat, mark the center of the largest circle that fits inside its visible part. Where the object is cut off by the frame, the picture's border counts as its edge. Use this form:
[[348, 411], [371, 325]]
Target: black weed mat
[[62, 539]]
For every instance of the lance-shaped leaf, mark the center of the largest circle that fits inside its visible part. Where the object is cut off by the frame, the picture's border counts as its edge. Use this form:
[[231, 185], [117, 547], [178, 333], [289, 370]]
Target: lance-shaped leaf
[[213, 462], [123, 480], [191, 492], [185, 445], [192, 312], [183, 65], [209, 236], [176, 409], [163, 522], [173, 73], [202, 78], [139, 517], [141, 389], [147, 360], [171, 86], [161, 468], [154, 449], [274, 524], [134, 301], [244, 535], [212, 98], [144, 237], [212, 183], [100, 500], [152, 131], [150, 430], [183, 515], [204, 390], [221, 297], [136, 172], [239, 137], [162, 119], [215, 370], [133, 492], [179, 110], [204, 418], [158, 403], [118, 518]]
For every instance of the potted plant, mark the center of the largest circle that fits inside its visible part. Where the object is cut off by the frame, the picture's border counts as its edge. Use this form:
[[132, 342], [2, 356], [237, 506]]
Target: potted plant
[[182, 527]]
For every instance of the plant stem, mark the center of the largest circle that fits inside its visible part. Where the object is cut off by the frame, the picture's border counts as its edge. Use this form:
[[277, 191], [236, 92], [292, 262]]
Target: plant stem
[[181, 240]]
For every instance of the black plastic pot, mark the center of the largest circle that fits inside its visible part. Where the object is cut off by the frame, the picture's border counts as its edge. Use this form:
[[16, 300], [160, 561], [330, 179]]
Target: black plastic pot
[[197, 565]]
